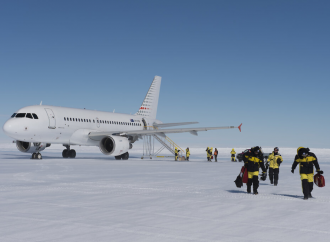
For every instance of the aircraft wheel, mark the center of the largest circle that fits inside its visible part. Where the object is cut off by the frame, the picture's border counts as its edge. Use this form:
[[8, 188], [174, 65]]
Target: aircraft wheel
[[33, 156], [38, 156], [65, 153], [118, 157], [72, 154], [125, 156]]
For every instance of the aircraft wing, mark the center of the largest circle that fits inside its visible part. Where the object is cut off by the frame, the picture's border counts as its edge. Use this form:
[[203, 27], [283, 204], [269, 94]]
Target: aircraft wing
[[161, 132], [172, 124]]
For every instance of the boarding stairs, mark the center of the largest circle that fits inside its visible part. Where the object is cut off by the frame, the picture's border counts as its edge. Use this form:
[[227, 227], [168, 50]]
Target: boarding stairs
[[166, 143]]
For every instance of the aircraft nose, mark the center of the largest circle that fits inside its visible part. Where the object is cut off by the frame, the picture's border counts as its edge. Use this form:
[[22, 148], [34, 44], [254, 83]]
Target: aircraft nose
[[8, 127]]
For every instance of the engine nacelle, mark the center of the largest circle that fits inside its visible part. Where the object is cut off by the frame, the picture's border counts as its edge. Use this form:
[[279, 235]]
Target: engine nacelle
[[114, 145], [28, 147]]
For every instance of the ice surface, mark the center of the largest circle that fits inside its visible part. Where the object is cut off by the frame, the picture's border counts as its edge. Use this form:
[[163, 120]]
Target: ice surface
[[97, 198]]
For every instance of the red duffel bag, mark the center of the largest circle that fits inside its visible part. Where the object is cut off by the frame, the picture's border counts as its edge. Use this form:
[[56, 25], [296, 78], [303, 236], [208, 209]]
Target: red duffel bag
[[244, 174], [319, 180]]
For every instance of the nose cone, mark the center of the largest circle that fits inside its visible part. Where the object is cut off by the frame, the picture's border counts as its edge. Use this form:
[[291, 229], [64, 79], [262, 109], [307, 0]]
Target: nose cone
[[8, 128]]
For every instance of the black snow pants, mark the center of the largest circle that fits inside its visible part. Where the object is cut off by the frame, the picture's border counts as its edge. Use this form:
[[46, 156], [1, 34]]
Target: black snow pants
[[255, 182], [215, 157], [273, 175], [307, 188]]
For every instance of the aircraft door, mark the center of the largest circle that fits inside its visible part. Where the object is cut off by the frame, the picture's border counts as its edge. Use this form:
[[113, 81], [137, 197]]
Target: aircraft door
[[144, 124], [51, 117]]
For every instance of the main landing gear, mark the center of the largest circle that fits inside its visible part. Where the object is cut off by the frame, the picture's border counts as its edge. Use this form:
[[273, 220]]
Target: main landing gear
[[36, 156], [124, 156], [68, 153]]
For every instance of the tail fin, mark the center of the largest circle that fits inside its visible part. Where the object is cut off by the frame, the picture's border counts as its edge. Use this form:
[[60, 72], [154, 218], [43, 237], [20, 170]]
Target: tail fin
[[150, 103]]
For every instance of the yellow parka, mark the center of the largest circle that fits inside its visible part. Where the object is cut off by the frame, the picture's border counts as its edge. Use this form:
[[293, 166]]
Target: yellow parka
[[208, 152], [211, 151], [272, 159], [187, 152], [233, 152]]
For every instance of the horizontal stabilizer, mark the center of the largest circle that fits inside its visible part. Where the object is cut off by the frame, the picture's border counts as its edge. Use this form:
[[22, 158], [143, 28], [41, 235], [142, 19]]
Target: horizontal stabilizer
[[173, 124]]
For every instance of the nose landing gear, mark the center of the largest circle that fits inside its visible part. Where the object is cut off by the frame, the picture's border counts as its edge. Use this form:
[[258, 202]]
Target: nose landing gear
[[36, 156], [68, 153]]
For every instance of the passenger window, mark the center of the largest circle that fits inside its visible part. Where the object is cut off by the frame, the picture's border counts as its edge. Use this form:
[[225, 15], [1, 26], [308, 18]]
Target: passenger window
[[93, 121], [64, 119], [28, 115], [97, 121], [20, 115], [70, 119], [13, 115], [35, 116]]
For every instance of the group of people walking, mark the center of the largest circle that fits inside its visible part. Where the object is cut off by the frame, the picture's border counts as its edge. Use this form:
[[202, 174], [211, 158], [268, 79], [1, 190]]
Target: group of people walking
[[210, 155], [253, 160]]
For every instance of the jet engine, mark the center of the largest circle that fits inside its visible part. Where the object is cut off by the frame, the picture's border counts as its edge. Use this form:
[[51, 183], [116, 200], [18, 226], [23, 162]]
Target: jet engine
[[114, 145], [28, 147]]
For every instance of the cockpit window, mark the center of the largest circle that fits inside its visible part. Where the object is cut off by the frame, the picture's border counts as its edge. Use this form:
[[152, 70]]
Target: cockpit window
[[29, 115], [20, 115], [35, 116], [13, 115]]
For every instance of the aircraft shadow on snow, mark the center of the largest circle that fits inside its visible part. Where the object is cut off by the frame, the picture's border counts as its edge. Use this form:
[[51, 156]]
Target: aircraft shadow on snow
[[25, 157]]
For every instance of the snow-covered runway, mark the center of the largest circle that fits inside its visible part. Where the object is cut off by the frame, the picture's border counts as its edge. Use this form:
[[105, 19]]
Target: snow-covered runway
[[97, 198]]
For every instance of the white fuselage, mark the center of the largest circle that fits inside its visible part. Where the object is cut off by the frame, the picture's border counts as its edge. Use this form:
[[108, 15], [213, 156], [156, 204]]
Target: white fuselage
[[70, 126]]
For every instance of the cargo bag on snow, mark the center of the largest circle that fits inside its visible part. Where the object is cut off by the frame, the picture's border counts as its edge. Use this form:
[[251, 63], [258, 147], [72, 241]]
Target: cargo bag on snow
[[242, 177], [319, 180]]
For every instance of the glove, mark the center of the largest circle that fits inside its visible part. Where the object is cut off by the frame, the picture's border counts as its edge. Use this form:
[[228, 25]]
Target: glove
[[292, 171], [263, 176], [278, 161], [320, 172]]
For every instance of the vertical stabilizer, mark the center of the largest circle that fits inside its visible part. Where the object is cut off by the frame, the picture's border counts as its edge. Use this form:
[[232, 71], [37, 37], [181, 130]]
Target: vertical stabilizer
[[150, 102]]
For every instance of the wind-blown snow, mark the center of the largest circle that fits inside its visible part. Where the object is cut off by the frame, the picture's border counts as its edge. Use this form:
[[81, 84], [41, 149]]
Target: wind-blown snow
[[97, 198]]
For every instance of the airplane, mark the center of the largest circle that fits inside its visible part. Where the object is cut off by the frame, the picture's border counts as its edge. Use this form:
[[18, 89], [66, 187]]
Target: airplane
[[37, 127]]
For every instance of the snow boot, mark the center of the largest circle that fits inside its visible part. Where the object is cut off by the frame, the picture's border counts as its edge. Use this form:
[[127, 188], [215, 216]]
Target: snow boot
[[310, 195], [249, 189], [255, 192]]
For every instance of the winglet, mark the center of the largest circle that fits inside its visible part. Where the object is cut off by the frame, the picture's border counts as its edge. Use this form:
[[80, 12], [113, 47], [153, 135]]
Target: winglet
[[239, 127]]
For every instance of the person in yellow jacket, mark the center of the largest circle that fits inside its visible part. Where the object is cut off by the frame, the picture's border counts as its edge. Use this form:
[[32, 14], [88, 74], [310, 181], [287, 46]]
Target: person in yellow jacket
[[306, 161], [274, 159], [176, 153], [233, 153], [215, 154], [208, 154], [252, 161], [187, 153], [211, 153]]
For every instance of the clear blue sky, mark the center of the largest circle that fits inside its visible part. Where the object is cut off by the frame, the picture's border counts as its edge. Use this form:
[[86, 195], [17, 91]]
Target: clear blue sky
[[265, 64]]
